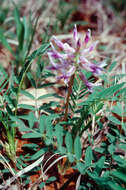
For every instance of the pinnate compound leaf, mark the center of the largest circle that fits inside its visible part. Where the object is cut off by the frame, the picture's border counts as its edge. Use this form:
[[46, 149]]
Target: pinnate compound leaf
[[36, 53], [77, 148]]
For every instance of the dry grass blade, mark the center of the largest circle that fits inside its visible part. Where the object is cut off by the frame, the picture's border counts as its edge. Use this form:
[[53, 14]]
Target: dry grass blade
[[25, 170]]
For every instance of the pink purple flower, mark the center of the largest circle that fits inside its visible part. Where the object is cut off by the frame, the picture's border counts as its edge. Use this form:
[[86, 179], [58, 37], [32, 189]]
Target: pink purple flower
[[68, 59]]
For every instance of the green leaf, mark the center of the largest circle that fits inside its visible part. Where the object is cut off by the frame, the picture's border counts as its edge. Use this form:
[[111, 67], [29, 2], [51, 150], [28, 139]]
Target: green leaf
[[4, 41], [31, 79], [111, 138], [81, 167], [41, 185], [51, 179], [32, 145], [70, 157], [111, 148], [119, 160], [31, 119], [9, 110], [49, 129], [77, 148], [38, 52], [119, 175], [100, 164], [28, 94], [59, 134], [69, 142], [88, 156], [3, 76], [32, 135], [45, 96], [104, 93], [26, 66], [19, 124], [42, 125], [113, 64], [118, 109], [97, 179], [25, 106], [114, 186], [38, 154], [62, 149], [19, 28], [122, 146], [114, 120]]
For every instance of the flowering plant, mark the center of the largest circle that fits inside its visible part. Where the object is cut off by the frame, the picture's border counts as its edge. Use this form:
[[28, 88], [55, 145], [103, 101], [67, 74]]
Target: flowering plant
[[72, 59]]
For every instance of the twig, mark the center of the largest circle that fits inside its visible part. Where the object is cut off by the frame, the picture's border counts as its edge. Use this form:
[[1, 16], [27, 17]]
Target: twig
[[68, 96]]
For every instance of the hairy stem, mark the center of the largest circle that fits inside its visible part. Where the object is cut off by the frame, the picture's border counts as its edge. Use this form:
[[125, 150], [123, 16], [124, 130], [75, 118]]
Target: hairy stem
[[68, 96]]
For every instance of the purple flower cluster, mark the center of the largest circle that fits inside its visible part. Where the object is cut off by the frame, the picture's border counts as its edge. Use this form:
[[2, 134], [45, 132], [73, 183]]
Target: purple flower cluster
[[67, 60]]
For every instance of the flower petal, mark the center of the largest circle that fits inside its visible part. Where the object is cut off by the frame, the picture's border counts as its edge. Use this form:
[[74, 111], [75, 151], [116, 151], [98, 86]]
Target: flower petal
[[97, 69], [75, 35], [55, 66], [84, 63], [58, 42], [88, 36], [68, 48], [89, 49], [103, 64], [78, 44], [56, 55], [66, 74], [71, 71], [88, 84]]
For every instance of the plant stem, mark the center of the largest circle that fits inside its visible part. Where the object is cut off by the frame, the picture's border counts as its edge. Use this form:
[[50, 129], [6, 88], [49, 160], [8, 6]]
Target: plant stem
[[68, 96]]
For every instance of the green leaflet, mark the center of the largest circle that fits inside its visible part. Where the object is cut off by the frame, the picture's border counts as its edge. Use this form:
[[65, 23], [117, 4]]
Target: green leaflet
[[69, 142], [32, 135], [114, 186], [77, 148], [119, 174], [88, 157]]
